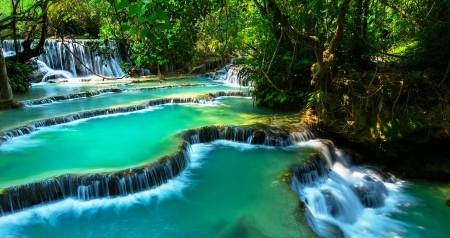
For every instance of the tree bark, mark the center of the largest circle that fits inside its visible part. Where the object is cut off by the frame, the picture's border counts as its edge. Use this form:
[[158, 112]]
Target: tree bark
[[6, 95]]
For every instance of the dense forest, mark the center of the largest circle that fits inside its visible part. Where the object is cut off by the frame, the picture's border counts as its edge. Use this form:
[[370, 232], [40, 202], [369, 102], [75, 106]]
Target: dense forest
[[374, 72]]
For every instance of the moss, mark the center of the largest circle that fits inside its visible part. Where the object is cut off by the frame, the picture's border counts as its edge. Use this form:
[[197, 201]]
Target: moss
[[3, 192], [286, 177], [301, 206]]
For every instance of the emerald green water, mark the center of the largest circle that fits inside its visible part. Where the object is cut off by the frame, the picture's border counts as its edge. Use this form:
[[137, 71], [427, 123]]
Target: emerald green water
[[22, 116], [230, 190], [113, 142], [43, 90], [424, 209]]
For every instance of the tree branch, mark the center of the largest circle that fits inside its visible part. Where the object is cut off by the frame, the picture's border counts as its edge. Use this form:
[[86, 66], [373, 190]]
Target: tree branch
[[403, 12]]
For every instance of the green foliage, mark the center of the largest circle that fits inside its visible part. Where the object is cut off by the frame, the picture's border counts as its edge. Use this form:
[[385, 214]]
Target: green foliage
[[19, 76]]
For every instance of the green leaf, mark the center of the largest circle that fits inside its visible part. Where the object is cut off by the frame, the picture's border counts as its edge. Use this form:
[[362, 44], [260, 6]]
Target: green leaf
[[152, 37], [138, 61], [152, 18], [142, 19], [133, 31], [126, 27], [133, 10], [143, 33], [123, 4], [164, 26], [162, 15]]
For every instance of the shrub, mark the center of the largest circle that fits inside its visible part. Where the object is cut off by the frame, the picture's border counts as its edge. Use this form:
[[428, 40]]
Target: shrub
[[19, 75]]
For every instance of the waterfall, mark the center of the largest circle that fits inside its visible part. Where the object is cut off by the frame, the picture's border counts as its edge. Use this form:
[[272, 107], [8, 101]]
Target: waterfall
[[336, 193], [232, 75], [132, 180], [93, 186], [98, 92], [57, 61], [9, 49], [33, 126]]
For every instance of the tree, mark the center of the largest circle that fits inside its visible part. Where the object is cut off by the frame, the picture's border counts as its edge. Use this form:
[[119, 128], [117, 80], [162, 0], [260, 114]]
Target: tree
[[325, 55], [6, 95], [33, 16]]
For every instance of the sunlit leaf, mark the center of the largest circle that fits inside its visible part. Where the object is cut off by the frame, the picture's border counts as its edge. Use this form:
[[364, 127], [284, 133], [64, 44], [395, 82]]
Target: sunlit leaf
[[138, 61]]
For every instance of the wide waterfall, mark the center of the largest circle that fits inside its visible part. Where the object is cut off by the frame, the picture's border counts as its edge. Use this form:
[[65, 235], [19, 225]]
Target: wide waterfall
[[132, 180], [63, 60]]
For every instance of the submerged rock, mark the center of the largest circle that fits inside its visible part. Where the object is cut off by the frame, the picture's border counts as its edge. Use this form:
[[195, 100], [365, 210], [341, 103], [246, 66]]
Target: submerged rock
[[447, 202]]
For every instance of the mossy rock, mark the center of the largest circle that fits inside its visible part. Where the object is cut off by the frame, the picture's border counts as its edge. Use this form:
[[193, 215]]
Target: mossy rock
[[286, 177], [3, 192]]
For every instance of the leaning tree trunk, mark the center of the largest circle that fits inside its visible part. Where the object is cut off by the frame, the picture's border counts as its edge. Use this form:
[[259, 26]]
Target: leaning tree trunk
[[6, 95]]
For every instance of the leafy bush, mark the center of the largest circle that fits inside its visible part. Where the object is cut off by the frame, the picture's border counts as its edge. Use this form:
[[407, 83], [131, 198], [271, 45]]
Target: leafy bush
[[19, 76]]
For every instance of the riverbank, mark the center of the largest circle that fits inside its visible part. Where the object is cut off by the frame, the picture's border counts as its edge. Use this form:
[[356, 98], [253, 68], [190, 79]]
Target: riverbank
[[393, 118]]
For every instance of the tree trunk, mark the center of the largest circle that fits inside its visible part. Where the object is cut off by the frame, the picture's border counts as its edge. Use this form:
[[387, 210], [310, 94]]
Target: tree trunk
[[6, 95], [160, 76]]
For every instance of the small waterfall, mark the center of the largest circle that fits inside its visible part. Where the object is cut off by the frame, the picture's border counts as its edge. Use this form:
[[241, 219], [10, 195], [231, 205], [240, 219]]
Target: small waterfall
[[268, 137], [9, 49], [58, 61], [334, 192], [131, 180], [233, 75], [231, 94], [43, 73]]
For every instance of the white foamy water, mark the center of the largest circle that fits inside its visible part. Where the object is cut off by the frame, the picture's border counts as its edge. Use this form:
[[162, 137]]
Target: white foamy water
[[352, 200], [10, 224]]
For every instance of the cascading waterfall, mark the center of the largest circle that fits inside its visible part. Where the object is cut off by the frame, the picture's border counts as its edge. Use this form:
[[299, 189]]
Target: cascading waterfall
[[8, 47], [336, 193], [119, 90], [232, 75], [93, 186], [58, 61], [58, 57], [132, 180], [34, 126]]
